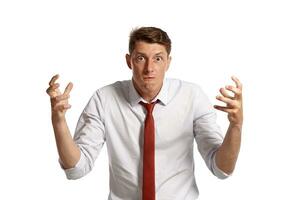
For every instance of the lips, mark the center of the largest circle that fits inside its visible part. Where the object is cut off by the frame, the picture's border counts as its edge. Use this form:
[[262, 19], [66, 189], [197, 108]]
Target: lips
[[149, 77]]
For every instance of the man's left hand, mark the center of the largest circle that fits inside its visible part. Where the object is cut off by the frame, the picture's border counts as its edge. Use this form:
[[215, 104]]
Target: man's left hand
[[234, 104]]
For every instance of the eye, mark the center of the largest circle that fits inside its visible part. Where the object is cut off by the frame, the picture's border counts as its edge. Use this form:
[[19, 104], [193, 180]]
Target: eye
[[158, 59], [140, 58]]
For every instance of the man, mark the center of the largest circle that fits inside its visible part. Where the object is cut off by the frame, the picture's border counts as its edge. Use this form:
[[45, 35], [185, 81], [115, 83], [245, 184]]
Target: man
[[149, 125]]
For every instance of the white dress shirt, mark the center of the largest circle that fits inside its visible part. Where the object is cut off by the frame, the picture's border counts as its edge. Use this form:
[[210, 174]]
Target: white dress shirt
[[114, 116]]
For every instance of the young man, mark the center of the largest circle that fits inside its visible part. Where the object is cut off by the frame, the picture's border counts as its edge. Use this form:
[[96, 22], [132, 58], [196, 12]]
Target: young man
[[149, 125]]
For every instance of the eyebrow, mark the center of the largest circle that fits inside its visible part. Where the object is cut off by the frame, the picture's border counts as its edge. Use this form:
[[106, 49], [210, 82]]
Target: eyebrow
[[159, 53], [140, 53]]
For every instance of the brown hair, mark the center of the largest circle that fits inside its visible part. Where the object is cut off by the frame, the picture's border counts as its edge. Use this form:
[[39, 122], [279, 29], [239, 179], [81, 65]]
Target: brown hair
[[149, 35]]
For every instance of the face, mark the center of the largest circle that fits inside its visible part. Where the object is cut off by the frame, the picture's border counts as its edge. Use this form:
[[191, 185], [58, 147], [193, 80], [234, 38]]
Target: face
[[149, 63]]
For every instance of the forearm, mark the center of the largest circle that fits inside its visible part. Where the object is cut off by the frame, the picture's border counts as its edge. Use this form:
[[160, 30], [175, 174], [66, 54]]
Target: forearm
[[68, 151], [227, 154]]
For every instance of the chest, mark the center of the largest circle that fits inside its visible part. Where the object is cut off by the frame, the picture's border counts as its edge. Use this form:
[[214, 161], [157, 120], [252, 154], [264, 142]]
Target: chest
[[173, 123]]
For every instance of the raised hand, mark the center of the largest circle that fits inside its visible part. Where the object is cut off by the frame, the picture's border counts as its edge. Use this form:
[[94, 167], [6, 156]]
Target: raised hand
[[234, 104], [59, 101]]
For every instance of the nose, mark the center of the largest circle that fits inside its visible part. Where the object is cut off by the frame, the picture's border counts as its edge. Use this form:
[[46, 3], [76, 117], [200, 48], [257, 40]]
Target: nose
[[149, 66]]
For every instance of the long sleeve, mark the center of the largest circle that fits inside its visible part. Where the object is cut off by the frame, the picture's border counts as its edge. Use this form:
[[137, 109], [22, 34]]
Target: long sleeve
[[207, 133], [89, 136]]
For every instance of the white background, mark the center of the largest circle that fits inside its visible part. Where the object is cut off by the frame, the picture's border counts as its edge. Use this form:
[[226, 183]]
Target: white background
[[86, 41]]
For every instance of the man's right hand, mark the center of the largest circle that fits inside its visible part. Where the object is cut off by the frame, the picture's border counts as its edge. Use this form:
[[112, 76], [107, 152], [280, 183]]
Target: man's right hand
[[59, 101], [68, 150]]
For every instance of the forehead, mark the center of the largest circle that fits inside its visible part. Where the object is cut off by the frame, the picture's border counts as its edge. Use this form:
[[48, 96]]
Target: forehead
[[149, 48]]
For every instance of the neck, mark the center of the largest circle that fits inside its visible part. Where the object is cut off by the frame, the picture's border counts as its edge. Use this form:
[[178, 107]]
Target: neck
[[147, 94]]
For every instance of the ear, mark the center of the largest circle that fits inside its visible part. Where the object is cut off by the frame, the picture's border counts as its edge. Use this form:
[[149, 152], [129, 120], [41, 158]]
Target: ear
[[168, 62], [128, 61]]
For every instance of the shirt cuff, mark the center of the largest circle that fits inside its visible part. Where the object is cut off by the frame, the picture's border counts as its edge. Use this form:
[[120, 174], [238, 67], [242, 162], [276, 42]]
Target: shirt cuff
[[75, 172], [218, 172]]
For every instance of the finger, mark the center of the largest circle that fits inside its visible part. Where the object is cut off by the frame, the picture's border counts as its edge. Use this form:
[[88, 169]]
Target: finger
[[68, 106], [225, 93], [52, 88], [223, 108], [61, 106], [62, 97], [55, 86], [237, 82], [226, 100], [57, 101], [236, 91], [68, 88], [53, 79]]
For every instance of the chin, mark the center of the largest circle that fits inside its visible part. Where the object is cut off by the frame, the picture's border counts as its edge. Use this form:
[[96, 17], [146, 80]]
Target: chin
[[148, 85]]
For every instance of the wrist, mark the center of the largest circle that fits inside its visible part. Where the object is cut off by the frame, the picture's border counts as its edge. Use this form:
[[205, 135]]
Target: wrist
[[58, 118], [236, 125]]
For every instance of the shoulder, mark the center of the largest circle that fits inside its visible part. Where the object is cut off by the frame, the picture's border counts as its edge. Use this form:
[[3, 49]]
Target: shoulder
[[179, 85], [103, 96], [111, 91], [113, 88]]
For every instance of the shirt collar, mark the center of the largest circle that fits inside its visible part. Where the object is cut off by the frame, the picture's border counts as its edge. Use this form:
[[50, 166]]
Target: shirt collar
[[162, 96]]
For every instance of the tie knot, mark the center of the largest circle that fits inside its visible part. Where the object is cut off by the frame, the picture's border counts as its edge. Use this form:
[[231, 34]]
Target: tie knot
[[149, 106]]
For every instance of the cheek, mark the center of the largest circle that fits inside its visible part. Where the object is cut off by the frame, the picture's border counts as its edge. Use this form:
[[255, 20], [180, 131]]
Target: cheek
[[163, 69], [137, 71]]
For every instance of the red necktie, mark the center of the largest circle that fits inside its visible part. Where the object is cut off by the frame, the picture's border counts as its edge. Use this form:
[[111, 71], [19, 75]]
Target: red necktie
[[149, 154]]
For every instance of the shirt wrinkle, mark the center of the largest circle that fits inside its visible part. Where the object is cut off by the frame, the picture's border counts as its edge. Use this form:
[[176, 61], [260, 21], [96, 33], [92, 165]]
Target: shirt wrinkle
[[113, 116]]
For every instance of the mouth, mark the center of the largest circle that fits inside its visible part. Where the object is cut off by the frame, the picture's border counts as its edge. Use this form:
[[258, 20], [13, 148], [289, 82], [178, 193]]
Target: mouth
[[149, 78]]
